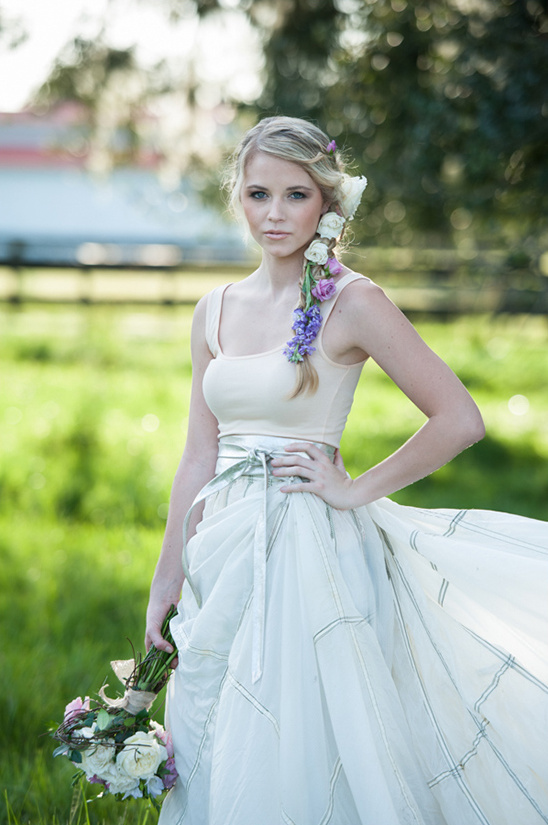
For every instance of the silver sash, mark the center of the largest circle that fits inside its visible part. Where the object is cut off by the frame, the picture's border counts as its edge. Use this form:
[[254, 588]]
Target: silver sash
[[250, 456]]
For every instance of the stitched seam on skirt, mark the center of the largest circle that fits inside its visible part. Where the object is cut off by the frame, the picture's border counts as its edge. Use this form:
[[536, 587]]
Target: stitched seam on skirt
[[202, 742], [516, 667], [223, 657], [453, 770], [483, 531], [516, 779], [462, 762], [413, 545], [481, 725], [202, 652], [334, 778], [494, 683], [225, 675], [326, 819], [455, 521], [337, 622], [403, 789], [254, 702]]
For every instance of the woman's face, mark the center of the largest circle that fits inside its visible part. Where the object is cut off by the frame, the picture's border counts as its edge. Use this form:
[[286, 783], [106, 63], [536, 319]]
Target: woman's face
[[282, 204]]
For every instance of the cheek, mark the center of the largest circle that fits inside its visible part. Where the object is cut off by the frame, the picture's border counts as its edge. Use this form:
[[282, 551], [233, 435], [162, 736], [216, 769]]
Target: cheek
[[313, 215], [249, 212]]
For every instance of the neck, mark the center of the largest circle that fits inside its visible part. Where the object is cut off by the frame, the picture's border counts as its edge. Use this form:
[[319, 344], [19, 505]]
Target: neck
[[280, 276]]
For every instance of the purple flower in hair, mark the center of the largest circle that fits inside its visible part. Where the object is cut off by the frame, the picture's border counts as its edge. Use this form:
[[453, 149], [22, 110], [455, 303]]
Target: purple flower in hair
[[334, 266], [306, 324], [331, 147]]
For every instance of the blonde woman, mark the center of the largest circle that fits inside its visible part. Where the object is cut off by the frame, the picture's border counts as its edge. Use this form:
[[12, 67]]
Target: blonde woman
[[342, 659]]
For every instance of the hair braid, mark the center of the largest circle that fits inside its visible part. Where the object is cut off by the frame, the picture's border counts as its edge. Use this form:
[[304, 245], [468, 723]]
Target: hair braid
[[307, 377]]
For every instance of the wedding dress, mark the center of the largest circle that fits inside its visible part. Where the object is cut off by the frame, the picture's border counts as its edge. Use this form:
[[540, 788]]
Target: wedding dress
[[382, 666]]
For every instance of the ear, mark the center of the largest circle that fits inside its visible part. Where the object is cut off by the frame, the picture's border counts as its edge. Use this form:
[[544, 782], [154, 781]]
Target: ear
[[325, 208]]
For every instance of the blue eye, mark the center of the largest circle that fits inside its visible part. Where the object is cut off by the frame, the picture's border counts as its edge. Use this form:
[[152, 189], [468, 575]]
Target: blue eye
[[259, 196], [298, 195]]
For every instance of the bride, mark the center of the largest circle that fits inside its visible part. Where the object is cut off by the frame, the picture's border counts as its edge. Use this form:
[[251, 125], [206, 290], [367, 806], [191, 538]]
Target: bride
[[342, 659]]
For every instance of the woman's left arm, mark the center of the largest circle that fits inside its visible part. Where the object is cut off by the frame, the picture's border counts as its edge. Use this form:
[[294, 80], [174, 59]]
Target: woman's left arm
[[377, 328]]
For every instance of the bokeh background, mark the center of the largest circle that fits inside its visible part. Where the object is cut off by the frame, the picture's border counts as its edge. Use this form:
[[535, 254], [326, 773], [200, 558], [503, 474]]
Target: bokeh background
[[115, 119]]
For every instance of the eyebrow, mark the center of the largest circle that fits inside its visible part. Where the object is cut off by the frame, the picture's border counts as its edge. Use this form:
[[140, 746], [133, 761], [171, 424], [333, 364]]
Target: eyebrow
[[289, 188]]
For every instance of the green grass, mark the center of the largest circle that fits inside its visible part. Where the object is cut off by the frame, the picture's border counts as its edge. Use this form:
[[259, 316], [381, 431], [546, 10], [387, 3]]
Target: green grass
[[93, 413]]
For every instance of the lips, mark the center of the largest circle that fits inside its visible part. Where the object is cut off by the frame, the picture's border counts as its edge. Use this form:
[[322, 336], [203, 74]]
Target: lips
[[276, 235]]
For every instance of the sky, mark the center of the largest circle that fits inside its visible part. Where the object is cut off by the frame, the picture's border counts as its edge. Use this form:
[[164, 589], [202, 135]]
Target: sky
[[52, 23]]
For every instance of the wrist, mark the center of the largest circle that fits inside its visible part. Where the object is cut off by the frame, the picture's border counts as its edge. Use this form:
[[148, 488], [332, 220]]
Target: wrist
[[165, 593], [360, 493]]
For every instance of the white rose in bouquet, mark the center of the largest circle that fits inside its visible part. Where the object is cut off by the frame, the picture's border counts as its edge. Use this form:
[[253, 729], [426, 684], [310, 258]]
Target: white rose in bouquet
[[118, 781], [142, 755], [331, 225], [317, 252], [97, 759], [351, 190]]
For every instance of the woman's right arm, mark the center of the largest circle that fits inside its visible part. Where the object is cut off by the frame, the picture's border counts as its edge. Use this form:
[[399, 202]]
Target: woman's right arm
[[196, 468]]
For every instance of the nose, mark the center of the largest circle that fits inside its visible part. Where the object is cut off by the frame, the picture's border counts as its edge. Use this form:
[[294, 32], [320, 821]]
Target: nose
[[276, 212]]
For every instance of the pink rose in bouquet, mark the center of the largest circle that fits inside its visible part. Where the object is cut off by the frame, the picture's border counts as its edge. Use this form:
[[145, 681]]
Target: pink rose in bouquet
[[78, 707]]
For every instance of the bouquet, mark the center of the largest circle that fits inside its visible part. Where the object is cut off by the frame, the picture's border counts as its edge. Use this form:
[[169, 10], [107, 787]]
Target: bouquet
[[114, 742]]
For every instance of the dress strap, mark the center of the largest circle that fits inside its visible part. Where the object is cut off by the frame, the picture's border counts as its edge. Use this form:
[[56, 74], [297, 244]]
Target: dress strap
[[213, 318], [327, 307]]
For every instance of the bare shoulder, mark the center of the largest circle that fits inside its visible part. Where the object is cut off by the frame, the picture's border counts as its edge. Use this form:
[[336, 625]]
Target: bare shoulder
[[372, 322], [200, 310], [199, 315], [363, 298]]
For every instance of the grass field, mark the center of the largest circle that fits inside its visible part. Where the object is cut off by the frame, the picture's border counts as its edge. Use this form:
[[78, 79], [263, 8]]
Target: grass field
[[93, 410]]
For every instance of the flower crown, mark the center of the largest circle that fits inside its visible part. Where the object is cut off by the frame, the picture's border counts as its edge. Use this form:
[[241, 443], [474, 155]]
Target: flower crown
[[307, 320]]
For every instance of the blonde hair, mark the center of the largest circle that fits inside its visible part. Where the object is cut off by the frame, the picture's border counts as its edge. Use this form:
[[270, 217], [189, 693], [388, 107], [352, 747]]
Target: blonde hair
[[298, 141]]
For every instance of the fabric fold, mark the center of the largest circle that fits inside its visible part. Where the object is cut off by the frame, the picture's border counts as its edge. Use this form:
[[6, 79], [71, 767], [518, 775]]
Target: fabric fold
[[387, 694]]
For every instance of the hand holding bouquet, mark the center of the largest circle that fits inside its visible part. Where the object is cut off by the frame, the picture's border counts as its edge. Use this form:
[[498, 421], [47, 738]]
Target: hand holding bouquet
[[114, 742]]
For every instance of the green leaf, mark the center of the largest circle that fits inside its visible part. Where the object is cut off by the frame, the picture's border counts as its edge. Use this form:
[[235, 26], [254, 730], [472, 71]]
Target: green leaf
[[75, 756], [104, 719]]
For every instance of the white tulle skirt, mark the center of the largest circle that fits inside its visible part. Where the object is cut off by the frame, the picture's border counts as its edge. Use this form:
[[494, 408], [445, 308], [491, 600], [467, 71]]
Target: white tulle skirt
[[384, 666]]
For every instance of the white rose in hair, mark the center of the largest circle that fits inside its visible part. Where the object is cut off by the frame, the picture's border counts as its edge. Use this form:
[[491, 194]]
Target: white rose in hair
[[331, 225], [141, 756], [317, 252], [351, 190]]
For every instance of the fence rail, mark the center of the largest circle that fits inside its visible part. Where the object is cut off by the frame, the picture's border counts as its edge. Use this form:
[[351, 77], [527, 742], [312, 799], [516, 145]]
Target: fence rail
[[424, 281]]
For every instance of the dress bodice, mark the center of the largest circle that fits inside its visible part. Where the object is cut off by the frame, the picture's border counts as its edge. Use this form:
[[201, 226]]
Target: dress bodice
[[249, 394]]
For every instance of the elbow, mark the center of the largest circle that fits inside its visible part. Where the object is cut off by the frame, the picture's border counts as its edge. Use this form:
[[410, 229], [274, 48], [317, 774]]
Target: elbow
[[472, 428]]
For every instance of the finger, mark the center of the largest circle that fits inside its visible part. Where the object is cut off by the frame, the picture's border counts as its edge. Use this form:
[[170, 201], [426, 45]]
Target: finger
[[305, 447], [156, 639], [296, 470], [285, 464]]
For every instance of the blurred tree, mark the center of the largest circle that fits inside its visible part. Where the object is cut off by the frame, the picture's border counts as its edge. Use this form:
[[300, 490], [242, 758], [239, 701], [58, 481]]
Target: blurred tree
[[445, 107], [442, 102], [300, 37], [111, 88], [12, 31]]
